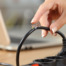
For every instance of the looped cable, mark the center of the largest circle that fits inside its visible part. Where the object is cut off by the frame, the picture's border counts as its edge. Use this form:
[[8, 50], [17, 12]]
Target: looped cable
[[25, 37]]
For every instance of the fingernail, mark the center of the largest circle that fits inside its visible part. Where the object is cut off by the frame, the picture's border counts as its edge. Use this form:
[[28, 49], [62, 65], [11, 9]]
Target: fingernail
[[32, 21], [54, 30], [43, 34]]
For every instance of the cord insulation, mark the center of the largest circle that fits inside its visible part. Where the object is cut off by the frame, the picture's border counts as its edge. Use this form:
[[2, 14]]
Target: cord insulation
[[25, 37]]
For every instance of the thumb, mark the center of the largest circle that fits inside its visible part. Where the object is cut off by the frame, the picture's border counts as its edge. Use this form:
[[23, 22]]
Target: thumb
[[42, 9], [57, 24]]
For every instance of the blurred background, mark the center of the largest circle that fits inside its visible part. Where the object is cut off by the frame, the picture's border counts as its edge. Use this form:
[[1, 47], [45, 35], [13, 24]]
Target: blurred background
[[17, 16]]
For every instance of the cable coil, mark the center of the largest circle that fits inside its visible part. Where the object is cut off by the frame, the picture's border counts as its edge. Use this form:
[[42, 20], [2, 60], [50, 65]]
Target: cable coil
[[25, 37]]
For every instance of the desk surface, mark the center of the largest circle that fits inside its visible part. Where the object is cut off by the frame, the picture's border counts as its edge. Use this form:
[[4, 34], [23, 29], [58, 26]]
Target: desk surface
[[28, 56]]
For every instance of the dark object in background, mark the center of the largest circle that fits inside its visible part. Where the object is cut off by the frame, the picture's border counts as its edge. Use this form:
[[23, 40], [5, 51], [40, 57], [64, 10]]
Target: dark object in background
[[59, 60], [51, 61], [46, 62]]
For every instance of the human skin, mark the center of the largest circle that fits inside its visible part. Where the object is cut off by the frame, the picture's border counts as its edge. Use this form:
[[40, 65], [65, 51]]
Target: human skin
[[51, 10]]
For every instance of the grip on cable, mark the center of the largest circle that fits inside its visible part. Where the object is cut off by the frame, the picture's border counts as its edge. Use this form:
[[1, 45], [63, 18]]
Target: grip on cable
[[32, 30]]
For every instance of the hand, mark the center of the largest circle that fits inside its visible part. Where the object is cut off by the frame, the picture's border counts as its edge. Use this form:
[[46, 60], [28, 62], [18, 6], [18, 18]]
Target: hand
[[49, 11]]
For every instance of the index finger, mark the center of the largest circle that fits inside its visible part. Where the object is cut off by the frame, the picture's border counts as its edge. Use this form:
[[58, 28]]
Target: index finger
[[42, 9]]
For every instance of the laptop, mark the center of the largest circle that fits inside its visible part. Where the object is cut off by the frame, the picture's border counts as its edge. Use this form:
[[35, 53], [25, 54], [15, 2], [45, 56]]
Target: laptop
[[10, 39]]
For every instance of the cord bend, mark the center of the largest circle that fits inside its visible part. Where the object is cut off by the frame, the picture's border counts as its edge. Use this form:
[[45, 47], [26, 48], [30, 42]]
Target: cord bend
[[25, 37]]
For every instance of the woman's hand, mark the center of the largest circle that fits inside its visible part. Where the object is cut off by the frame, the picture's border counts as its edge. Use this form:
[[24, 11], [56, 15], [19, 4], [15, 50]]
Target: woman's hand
[[51, 10]]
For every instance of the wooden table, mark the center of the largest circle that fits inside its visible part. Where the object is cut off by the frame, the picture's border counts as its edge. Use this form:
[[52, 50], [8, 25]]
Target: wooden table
[[27, 56]]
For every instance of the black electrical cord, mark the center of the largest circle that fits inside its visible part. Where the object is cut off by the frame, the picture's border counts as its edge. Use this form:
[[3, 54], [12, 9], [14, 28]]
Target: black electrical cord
[[25, 37]]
